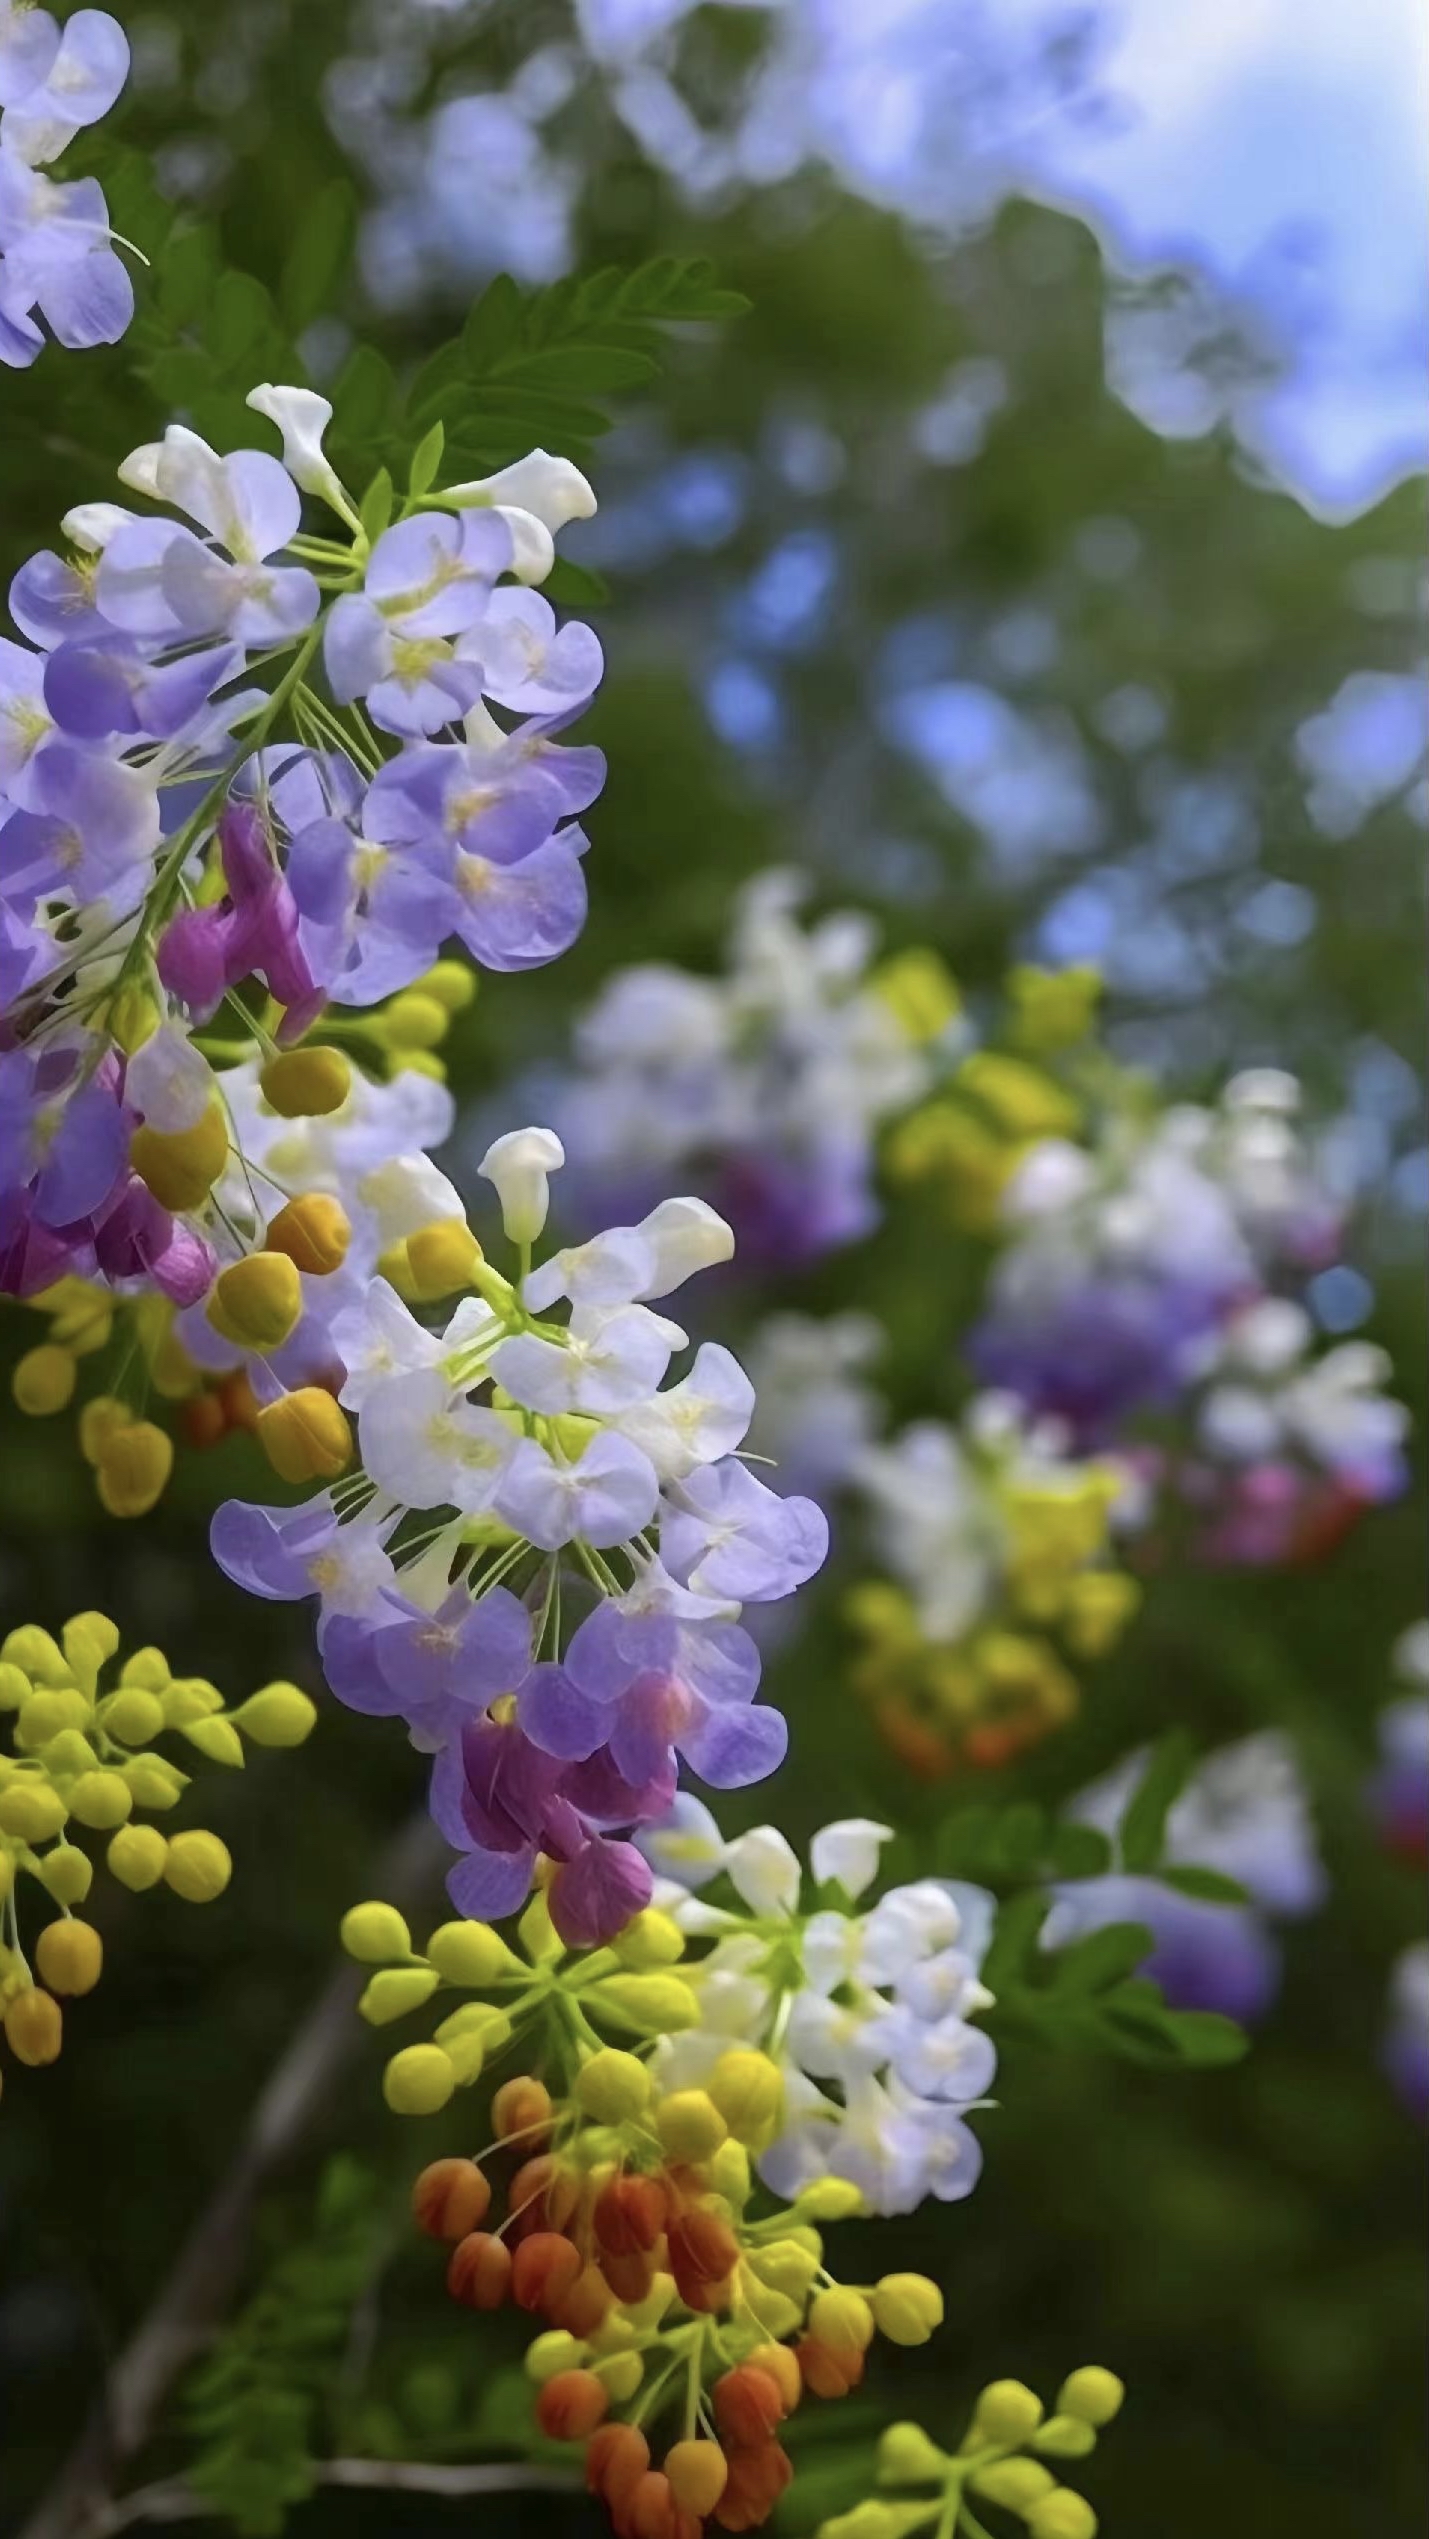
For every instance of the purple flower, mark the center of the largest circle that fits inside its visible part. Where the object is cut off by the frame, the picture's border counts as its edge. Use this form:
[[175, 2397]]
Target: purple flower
[[56, 256], [90, 833], [203, 951], [1204, 1956], [159, 581], [283, 1554], [372, 917], [62, 1141], [1097, 1352], [104, 683], [529, 666], [53, 84], [651, 1685], [725, 1534]]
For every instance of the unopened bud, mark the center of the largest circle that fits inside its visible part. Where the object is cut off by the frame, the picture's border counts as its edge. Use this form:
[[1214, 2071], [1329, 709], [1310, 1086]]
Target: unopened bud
[[256, 1302], [698, 2473], [395, 1990], [375, 1934], [1091, 2393], [907, 2457], [98, 1421], [314, 1232], [1062, 2515], [450, 2198], [907, 2308], [655, 2005], [305, 1435], [452, 983], [650, 1939], [180, 1167], [748, 2090], [134, 1465], [690, 2125], [830, 2200], [471, 1953], [31, 1811], [198, 1866], [556, 2351], [520, 2109], [843, 2320], [613, 2086], [301, 1084], [34, 2028], [44, 1380], [279, 1715], [571, 2406], [136, 1856], [418, 2081], [544, 2268], [1008, 2412], [70, 1956], [101, 1799], [415, 1021], [67, 1873], [441, 1258]]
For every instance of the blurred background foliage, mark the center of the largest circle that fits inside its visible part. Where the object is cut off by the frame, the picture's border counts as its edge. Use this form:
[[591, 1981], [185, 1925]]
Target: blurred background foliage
[[902, 593]]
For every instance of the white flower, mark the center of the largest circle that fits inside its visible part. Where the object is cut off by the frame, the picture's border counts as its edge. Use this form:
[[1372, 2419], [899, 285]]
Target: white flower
[[169, 1080], [686, 1847], [377, 1338], [696, 1421], [302, 417], [764, 1870], [610, 1358], [607, 1496], [430, 1447], [847, 1851], [92, 525], [535, 496], [519, 1166]]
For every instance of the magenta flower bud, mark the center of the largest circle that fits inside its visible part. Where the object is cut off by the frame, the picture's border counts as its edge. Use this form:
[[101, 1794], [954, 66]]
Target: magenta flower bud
[[193, 958]]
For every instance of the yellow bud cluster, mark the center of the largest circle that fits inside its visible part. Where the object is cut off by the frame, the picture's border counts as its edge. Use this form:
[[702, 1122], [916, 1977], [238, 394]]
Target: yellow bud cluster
[[1001, 2461], [78, 1756]]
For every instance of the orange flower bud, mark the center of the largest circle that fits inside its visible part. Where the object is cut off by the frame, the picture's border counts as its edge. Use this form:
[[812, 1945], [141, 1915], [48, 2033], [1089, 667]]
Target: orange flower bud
[[757, 2478], [526, 2196], [783, 2370], [748, 2404], [450, 2198], [703, 2253], [617, 2457], [831, 2371], [479, 2271], [543, 2270], [585, 2305], [629, 2277], [240, 1402], [651, 2511], [521, 2106], [571, 2405], [202, 1420], [629, 2216]]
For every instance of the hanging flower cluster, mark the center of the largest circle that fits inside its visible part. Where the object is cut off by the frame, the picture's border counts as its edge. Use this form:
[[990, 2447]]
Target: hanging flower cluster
[[57, 257], [769, 1083], [178, 838], [824, 2057], [541, 1560], [1002, 2459], [80, 1759]]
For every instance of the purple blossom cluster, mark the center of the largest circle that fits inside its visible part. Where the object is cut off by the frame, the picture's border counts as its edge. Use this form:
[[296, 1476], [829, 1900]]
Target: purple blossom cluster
[[234, 749], [57, 257], [542, 1565]]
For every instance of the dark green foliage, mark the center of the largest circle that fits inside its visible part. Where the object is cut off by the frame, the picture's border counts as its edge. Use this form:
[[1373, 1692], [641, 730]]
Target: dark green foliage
[[253, 2408]]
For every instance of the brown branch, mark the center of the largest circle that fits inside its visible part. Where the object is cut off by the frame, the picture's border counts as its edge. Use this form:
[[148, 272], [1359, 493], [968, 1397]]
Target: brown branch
[[172, 2500], [200, 2285]]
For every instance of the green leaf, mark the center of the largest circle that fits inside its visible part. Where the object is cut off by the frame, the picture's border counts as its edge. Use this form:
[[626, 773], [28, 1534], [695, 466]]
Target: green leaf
[[1206, 2039], [575, 585], [1210, 1886], [375, 508], [426, 459], [492, 322], [318, 257], [1014, 1939], [1020, 1838], [1102, 1959], [1143, 1827], [1078, 1851]]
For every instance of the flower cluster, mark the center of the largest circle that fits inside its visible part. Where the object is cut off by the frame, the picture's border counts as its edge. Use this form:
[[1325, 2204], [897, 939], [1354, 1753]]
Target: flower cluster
[[57, 259], [541, 1562], [768, 1082], [819, 2059], [1245, 1816], [1002, 2459], [999, 1538], [176, 831], [86, 1760]]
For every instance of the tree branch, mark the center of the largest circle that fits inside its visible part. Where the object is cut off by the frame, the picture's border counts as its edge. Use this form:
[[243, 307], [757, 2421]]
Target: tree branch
[[172, 2500], [198, 2289]]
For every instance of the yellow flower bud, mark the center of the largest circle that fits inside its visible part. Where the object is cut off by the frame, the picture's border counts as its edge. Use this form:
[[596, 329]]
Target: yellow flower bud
[[907, 2308], [186, 1698], [415, 1021], [37, 1654], [394, 1991], [181, 1168], [690, 2125], [788, 2266], [1091, 2393], [622, 2375], [556, 2351], [842, 2318], [98, 1422], [478, 2021], [70, 1955], [67, 1873], [136, 1856], [748, 2090], [655, 2005], [31, 1811], [1008, 2411], [375, 1934], [134, 1467], [306, 1084], [154, 1780], [314, 1231], [416, 1062], [148, 1668], [1016, 2483], [452, 983], [34, 2028], [469, 1953], [728, 2173], [537, 1932], [1062, 2515], [613, 2086], [44, 1380], [441, 1258], [921, 991], [217, 1740], [907, 2457], [45, 1716], [256, 1302], [830, 2200], [132, 1717], [279, 1715], [198, 1866], [418, 2081], [14, 1686], [131, 1018], [90, 1641], [101, 1799], [650, 1939], [67, 1755], [1064, 2438], [305, 1435]]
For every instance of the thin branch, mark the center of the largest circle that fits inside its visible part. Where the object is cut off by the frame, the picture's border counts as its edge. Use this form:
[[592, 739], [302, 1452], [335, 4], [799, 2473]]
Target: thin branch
[[172, 2500], [197, 2291]]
